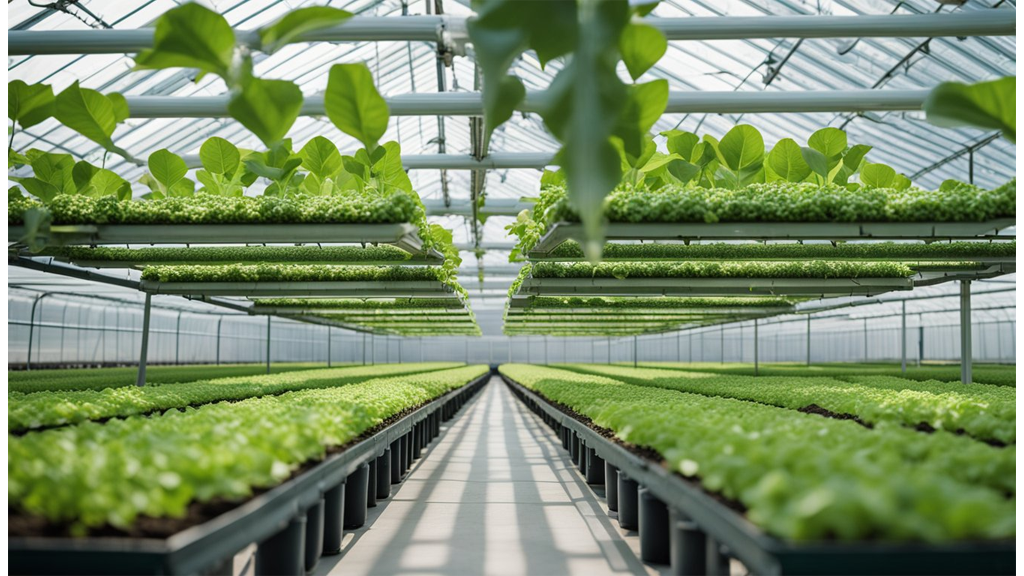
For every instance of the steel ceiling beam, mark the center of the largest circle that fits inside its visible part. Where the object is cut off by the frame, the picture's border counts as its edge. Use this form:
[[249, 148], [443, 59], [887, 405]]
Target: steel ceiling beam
[[449, 29]]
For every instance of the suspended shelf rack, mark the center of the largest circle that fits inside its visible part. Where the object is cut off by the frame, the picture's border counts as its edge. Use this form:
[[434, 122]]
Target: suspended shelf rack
[[835, 231], [811, 287]]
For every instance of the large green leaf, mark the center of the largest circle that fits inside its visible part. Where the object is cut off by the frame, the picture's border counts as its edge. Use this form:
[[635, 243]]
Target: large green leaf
[[97, 182], [167, 168], [641, 46], [817, 162], [877, 176], [787, 161], [321, 157], [190, 36], [590, 96], [354, 105], [646, 103], [219, 156], [831, 142], [742, 148], [388, 168], [297, 22], [268, 108], [990, 105], [89, 113], [29, 104]]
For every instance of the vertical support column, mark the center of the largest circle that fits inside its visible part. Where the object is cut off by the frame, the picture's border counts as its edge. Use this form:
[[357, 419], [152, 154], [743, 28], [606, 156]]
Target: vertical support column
[[328, 346], [679, 351], [384, 475], [334, 515], [609, 349], [314, 534], [355, 497], [689, 546], [808, 339], [627, 495], [396, 461], [611, 487], [219, 321], [595, 468], [866, 356], [177, 338], [268, 343], [755, 348], [652, 519], [140, 379], [966, 351], [371, 485], [920, 341], [284, 552], [721, 342], [634, 351], [903, 337]]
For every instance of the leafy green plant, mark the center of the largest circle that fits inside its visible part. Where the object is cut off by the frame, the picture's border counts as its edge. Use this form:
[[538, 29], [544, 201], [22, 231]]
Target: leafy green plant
[[991, 416], [353, 255], [288, 273], [59, 408], [27, 382], [801, 269], [586, 107], [28, 105], [758, 456], [223, 450], [989, 105]]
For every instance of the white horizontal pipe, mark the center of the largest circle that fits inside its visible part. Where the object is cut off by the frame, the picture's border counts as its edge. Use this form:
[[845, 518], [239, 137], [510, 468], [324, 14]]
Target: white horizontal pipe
[[989, 22], [494, 161], [470, 103]]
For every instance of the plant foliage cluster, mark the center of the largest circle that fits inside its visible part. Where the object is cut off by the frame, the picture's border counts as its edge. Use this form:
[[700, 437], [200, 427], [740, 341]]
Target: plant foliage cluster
[[234, 254], [800, 476], [984, 412], [803, 269], [88, 476], [58, 408]]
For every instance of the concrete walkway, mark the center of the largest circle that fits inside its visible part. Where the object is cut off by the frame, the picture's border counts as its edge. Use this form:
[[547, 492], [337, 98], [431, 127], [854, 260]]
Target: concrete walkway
[[494, 494]]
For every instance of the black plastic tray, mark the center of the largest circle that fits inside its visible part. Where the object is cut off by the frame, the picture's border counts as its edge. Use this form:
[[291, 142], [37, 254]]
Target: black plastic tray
[[765, 554]]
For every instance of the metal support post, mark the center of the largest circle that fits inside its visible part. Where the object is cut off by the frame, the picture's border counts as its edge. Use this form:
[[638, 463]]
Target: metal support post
[[865, 340], [268, 343], [634, 351], [755, 348], [721, 342], [219, 321], [808, 339], [140, 379], [328, 346], [965, 332], [177, 338], [903, 338], [32, 330]]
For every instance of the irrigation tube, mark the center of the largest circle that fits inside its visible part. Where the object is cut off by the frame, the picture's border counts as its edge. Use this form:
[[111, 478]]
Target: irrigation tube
[[449, 30]]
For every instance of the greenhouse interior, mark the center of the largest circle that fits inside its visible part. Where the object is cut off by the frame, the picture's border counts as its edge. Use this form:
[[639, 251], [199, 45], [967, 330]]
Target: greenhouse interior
[[507, 287]]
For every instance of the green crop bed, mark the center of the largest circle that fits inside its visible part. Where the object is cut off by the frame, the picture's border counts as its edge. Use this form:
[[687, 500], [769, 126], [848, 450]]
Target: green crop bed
[[982, 411], [628, 304], [800, 476], [289, 273], [48, 409], [85, 476], [752, 251], [234, 254], [394, 207], [985, 374], [102, 378], [810, 269], [356, 304]]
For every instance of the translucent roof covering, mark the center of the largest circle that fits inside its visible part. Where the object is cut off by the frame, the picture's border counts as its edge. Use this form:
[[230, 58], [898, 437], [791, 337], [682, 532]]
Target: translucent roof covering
[[904, 140]]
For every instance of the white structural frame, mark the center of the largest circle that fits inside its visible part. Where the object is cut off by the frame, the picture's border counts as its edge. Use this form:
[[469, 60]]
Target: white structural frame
[[448, 30]]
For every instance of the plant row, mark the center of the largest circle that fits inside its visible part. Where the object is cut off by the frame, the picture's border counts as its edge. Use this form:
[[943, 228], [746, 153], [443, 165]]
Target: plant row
[[289, 273], [987, 374], [57, 408], [905, 252], [354, 304], [27, 382], [234, 254], [88, 475], [804, 269], [773, 202], [629, 304], [799, 476], [991, 416]]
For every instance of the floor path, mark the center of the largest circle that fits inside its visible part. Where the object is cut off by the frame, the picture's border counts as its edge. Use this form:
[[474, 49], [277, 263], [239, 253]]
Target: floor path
[[493, 495]]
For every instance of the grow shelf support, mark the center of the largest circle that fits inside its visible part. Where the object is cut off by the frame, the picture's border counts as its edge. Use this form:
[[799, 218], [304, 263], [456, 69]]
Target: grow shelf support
[[965, 332], [140, 380], [903, 337]]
